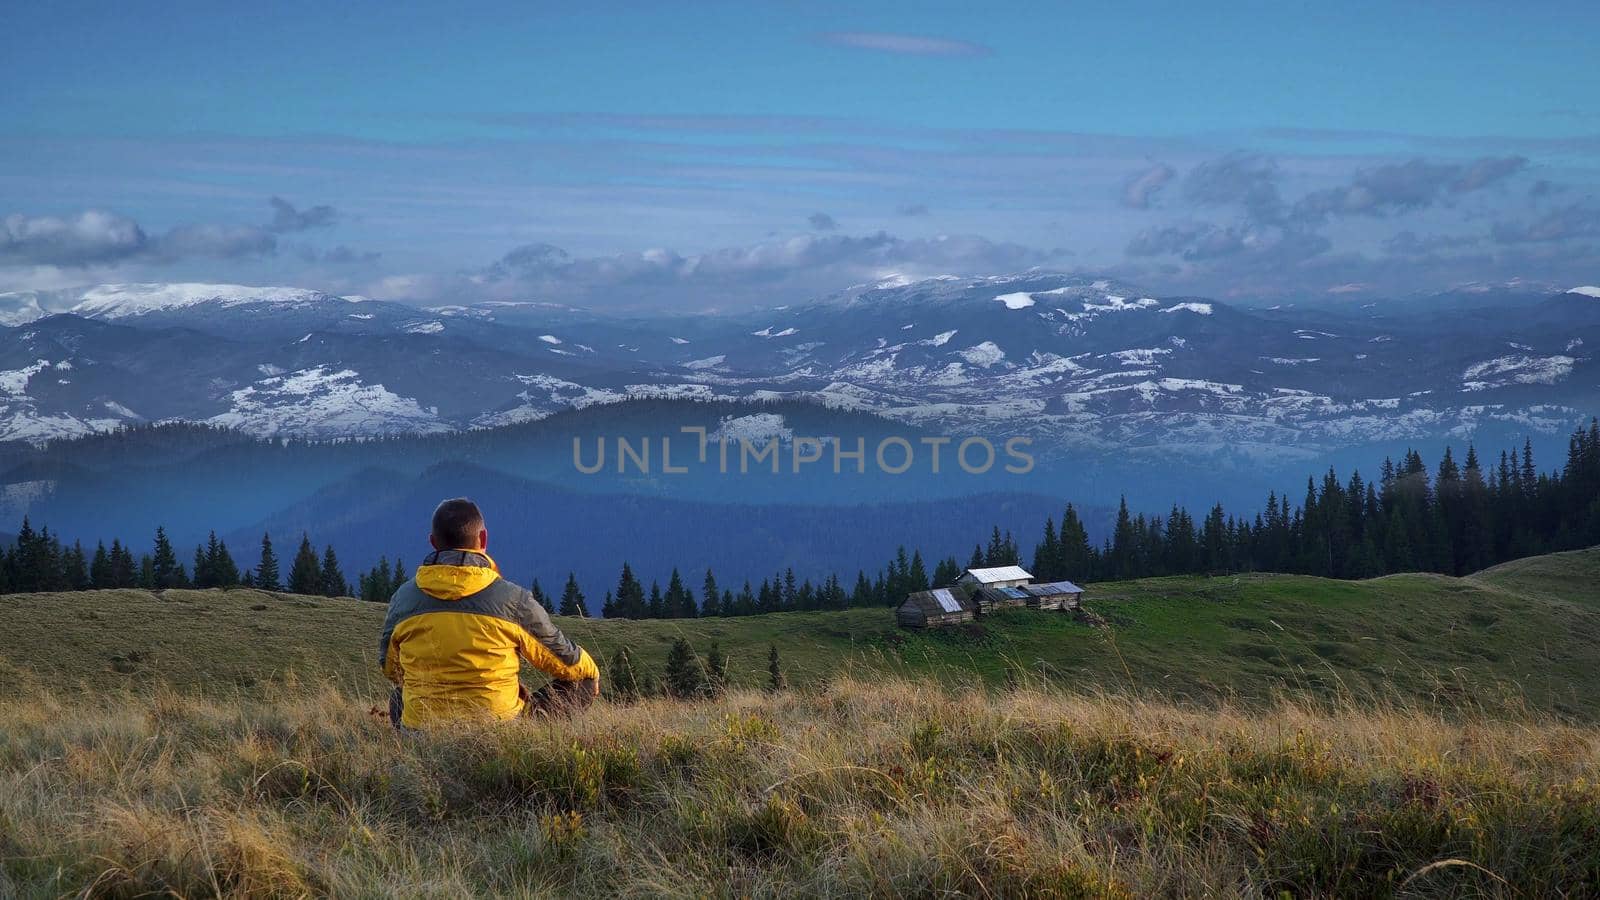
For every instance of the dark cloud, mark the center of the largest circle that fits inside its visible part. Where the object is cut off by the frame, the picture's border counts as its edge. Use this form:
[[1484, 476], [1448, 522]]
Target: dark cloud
[[338, 256], [1544, 188], [1577, 220], [1245, 179], [1240, 246], [101, 238], [1409, 243], [912, 209], [904, 44], [89, 238], [792, 268], [214, 241], [1167, 239], [1252, 181], [1487, 171], [286, 219], [821, 221], [1411, 185], [1139, 190]]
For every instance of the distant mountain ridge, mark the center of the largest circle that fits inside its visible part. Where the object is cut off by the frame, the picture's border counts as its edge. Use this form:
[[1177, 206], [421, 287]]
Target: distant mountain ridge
[[1086, 366]]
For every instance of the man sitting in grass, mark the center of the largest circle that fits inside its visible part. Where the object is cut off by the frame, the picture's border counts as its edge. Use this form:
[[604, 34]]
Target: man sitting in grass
[[457, 634]]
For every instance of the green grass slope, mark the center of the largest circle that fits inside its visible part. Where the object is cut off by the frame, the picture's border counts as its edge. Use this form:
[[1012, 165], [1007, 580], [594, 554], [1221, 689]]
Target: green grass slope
[[1524, 632]]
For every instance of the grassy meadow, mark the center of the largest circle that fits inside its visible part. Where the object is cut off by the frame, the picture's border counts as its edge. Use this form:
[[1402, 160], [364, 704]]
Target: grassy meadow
[[1241, 736], [1521, 633]]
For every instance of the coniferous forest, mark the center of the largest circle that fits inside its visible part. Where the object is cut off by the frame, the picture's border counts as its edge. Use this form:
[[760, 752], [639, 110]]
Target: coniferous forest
[[1457, 517]]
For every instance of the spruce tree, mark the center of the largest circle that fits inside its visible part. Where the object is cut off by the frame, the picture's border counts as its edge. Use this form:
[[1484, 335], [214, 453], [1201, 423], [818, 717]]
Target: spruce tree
[[685, 673], [101, 575], [629, 602], [164, 569], [776, 681], [541, 598], [572, 599], [267, 569], [124, 569], [305, 573], [710, 596], [223, 569], [716, 670], [331, 578], [202, 573], [75, 568], [622, 678]]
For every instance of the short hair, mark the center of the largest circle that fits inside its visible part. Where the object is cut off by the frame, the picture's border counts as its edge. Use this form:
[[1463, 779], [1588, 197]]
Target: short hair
[[456, 524]]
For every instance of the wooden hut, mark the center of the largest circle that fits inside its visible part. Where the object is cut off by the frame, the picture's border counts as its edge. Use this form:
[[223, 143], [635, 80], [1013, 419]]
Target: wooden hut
[[994, 599], [935, 608], [996, 577], [1052, 595]]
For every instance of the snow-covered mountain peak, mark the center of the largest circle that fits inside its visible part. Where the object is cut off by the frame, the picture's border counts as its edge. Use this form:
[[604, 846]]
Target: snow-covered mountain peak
[[1587, 290], [115, 301]]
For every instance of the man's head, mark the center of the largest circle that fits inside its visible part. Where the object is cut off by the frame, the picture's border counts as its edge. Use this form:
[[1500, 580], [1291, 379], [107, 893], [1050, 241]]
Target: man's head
[[458, 525]]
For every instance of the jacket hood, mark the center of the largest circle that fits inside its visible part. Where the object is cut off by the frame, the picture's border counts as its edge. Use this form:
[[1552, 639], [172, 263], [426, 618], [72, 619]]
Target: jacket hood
[[453, 574]]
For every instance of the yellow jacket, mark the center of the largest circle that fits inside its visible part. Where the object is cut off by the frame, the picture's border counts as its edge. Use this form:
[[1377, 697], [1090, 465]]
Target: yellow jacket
[[456, 636]]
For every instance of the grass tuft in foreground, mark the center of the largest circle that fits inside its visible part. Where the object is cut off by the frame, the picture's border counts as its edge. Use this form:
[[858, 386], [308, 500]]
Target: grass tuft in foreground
[[885, 789]]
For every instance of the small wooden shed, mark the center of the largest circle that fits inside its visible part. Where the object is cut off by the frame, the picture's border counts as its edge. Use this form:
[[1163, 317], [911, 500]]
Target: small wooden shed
[[994, 599], [935, 608], [1053, 595]]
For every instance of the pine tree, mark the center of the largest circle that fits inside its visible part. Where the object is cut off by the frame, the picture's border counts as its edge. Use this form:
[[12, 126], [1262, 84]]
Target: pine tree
[[710, 596], [541, 597], [679, 600], [331, 578], [202, 577], [223, 569], [101, 574], [572, 600], [267, 569], [164, 569], [305, 572], [75, 568], [716, 670], [622, 678], [124, 569], [686, 673], [629, 602], [776, 681]]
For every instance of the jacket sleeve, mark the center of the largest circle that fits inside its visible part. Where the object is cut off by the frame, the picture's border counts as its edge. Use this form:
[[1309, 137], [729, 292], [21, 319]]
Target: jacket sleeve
[[388, 654], [546, 648]]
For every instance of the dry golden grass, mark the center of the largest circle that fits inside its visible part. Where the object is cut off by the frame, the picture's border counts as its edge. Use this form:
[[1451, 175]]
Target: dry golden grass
[[885, 789]]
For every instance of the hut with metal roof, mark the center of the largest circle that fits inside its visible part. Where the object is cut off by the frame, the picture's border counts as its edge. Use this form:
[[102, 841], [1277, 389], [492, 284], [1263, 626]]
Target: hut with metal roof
[[935, 608], [996, 577], [1053, 595]]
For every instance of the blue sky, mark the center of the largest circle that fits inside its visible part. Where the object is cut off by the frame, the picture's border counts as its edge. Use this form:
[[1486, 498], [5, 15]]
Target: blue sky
[[715, 155]]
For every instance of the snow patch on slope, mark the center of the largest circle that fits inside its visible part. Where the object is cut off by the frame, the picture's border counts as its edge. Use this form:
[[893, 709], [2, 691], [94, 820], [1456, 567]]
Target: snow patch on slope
[[1587, 290], [1505, 370], [1019, 300], [758, 429], [985, 354], [324, 402]]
